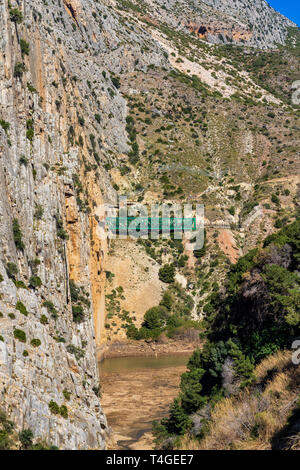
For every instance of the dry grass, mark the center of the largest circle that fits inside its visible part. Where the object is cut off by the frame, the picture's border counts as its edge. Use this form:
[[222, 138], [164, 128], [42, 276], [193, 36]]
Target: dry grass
[[252, 419], [294, 442], [279, 361]]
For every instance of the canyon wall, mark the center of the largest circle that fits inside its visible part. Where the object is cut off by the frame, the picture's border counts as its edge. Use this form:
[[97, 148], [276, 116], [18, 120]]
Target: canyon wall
[[52, 187], [62, 128]]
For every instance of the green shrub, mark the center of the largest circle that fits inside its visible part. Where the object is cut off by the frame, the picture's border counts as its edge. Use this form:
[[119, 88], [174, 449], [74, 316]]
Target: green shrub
[[178, 421], [53, 407], [39, 212], [4, 124], [1, 338], [25, 353], [109, 275], [133, 332], [155, 318], [30, 129], [20, 335], [31, 88], [167, 301], [6, 429], [275, 199], [278, 223], [97, 391], [78, 313], [81, 120], [26, 438], [116, 82], [51, 309], [11, 270], [23, 161], [44, 320], [59, 339], [35, 282], [34, 263], [22, 309], [17, 234], [43, 446], [5, 441], [20, 285], [74, 291], [12, 316], [61, 233], [24, 47], [19, 70], [63, 411], [167, 273], [35, 342], [77, 352], [67, 395], [15, 15]]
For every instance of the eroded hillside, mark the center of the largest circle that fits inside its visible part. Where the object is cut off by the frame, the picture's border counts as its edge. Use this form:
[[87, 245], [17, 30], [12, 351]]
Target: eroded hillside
[[213, 126]]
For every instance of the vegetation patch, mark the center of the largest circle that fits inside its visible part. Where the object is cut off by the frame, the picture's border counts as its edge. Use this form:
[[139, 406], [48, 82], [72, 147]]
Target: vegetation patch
[[22, 309], [20, 335], [257, 316], [18, 236]]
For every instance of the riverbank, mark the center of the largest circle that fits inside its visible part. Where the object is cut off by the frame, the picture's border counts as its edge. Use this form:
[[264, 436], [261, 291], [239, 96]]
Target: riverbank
[[162, 347], [184, 343]]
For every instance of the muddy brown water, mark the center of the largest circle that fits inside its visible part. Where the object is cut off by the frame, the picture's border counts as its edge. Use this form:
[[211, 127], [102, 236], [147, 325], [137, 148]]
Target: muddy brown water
[[137, 391]]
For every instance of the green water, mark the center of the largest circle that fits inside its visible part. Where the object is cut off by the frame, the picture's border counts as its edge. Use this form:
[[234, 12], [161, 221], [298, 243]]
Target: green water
[[123, 364]]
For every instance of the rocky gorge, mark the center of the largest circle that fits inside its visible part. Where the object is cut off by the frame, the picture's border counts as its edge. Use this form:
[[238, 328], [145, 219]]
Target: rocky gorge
[[96, 98]]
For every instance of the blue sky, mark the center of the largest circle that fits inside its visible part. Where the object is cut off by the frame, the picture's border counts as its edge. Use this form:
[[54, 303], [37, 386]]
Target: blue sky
[[289, 8]]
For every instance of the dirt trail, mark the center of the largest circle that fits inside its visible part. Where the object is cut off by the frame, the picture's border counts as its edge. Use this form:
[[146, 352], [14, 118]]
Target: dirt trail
[[228, 246]]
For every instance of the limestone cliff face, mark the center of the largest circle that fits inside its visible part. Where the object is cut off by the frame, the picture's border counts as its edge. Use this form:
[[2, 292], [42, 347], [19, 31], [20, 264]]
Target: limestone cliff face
[[212, 31], [266, 28], [52, 156], [37, 171], [244, 22], [62, 126]]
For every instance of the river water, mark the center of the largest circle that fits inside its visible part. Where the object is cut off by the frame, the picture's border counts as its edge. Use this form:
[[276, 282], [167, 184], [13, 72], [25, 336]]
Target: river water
[[136, 391]]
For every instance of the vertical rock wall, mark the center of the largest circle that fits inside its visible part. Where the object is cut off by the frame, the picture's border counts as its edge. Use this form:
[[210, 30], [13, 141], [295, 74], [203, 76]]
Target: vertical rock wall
[[52, 177]]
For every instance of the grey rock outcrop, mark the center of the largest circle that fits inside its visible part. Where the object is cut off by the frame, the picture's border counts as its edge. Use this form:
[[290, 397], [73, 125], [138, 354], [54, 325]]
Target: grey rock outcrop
[[244, 22]]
